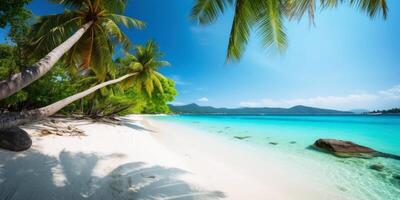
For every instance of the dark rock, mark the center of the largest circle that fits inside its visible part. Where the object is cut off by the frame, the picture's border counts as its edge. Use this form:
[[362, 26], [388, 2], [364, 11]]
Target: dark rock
[[396, 176], [241, 137], [344, 148], [273, 143], [293, 142], [377, 167], [15, 139]]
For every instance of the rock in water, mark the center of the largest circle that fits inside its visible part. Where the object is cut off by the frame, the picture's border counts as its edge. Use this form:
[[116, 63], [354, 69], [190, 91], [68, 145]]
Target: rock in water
[[15, 139], [349, 149], [241, 137], [345, 148], [377, 167]]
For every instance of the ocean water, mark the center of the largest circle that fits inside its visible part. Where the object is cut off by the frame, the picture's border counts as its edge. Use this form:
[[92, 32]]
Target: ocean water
[[290, 138]]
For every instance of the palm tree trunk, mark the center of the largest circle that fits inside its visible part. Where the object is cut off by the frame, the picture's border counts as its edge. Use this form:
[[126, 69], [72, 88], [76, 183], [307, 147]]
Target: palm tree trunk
[[37, 70], [13, 119]]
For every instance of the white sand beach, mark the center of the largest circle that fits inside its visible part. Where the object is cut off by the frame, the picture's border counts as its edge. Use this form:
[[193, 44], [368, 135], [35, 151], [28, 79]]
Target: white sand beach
[[147, 159]]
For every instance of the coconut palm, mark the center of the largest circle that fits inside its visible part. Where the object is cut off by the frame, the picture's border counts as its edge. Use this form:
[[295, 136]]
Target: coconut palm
[[266, 18], [13, 119], [86, 35], [141, 72], [146, 61]]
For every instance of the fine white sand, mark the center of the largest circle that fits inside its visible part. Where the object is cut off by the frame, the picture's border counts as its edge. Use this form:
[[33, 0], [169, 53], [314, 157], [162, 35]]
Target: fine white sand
[[147, 159]]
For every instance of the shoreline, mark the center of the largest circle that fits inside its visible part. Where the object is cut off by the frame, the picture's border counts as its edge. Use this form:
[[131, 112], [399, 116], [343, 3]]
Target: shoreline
[[148, 159]]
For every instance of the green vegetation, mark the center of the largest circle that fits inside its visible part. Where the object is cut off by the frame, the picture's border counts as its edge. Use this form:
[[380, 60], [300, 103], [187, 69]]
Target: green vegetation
[[59, 83], [86, 80], [85, 36], [70, 55], [11, 10], [266, 18], [390, 111]]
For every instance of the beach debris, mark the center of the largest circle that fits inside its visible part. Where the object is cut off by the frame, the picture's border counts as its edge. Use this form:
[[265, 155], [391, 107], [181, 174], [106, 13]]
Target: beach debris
[[292, 142], [15, 139], [273, 143], [53, 127], [377, 167], [99, 119], [347, 149], [241, 137]]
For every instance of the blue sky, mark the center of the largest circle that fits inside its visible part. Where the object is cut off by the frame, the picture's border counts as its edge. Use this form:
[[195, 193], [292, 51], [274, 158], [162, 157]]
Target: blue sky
[[346, 61]]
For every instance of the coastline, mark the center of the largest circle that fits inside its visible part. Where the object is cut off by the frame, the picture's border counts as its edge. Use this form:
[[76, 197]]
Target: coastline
[[149, 159]]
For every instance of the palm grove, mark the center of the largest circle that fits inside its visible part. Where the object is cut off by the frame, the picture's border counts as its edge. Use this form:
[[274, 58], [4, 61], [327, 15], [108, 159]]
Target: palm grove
[[66, 53], [76, 71]]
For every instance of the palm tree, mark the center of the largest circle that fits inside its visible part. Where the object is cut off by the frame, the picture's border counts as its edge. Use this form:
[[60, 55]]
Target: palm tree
[[86, 35], [266, 18], [141, 72], [147, 61]]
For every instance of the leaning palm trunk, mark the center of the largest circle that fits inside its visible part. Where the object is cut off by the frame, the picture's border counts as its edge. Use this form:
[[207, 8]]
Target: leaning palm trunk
[[37, 70], [13, 119]]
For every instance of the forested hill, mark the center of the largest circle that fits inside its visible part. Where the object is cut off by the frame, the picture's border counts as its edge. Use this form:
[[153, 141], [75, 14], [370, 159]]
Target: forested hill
[[296, 110], [390, 111]]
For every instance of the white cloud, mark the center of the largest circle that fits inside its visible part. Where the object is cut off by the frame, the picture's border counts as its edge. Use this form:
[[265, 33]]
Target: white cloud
[[203, 99], [387, 97], [391, 93]]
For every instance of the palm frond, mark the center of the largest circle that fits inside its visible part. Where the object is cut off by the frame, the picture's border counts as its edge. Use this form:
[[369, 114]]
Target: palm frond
[[372, 7], [206, 11], [241, 27], [70, 3], [270, 26], [296, 9], [128, 22]]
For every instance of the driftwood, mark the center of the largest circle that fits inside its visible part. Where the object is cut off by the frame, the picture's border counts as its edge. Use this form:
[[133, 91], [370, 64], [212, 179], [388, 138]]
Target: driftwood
[[53, 127], [61, 128], [99, 119]]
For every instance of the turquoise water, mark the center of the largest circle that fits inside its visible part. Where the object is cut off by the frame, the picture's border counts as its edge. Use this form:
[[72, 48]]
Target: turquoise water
[[292, 135]]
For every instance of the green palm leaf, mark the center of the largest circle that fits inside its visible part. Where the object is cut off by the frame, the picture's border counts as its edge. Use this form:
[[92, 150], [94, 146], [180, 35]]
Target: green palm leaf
[[267, 17], [95, 48], [206, 11]]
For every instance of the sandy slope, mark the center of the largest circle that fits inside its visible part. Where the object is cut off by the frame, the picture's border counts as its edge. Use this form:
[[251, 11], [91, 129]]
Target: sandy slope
[[146, 159]]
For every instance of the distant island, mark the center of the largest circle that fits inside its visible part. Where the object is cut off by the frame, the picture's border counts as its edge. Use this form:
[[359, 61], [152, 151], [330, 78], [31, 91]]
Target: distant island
[[388, 112], [296, 110]]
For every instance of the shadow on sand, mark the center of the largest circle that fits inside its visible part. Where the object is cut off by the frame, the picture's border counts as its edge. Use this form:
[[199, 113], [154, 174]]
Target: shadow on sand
[[131, 124], [32, 175]]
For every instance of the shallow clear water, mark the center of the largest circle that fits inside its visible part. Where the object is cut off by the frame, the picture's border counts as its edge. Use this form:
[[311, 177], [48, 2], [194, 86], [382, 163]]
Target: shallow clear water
[[294, 134]]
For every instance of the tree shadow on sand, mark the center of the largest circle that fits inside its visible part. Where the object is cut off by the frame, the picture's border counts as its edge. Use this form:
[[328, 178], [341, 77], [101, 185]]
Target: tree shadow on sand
[[131, 124], [32, 175]]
